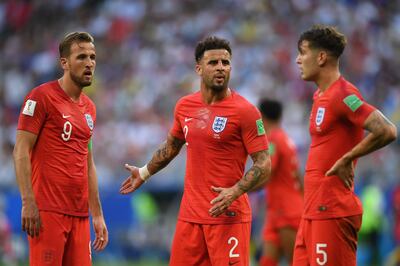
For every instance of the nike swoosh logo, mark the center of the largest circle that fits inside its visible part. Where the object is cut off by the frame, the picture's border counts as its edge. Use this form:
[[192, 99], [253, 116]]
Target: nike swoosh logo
[[188, 119], [65, 116]]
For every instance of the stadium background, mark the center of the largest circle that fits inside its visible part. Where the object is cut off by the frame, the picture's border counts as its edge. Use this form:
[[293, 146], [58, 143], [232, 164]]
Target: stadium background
[[145, 63]]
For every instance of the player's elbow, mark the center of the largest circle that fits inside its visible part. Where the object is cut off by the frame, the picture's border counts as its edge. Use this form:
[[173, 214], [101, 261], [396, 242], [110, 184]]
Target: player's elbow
[[390, 134]]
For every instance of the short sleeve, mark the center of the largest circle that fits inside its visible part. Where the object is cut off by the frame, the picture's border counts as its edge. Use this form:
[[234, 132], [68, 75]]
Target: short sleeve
[[176, 129], [33, 112], [252, 129], [351, 106]]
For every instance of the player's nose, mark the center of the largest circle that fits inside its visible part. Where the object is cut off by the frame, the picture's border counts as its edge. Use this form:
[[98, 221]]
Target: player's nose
[[297, 59]]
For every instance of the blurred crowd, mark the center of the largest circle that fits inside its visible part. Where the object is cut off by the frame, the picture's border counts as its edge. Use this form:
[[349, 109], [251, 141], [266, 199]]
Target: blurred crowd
[[145, 62]]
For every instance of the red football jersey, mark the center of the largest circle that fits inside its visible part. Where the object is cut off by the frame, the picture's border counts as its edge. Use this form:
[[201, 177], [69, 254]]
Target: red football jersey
[[59, 158], [283, 181], [219, 138], [336, 126]]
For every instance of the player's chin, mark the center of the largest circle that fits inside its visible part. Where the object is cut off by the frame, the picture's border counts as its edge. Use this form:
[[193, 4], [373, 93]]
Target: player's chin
[[305, 77], [218, 86], [85, 82]]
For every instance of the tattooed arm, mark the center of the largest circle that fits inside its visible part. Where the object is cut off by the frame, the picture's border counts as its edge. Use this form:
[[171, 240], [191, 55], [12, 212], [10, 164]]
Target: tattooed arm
[[258, 174], [164, 154], [382, 132], [161, 158], [255, 178]]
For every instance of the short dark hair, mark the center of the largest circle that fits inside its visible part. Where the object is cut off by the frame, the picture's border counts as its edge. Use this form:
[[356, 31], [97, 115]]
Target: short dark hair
[[211, 43], [74, 37], [324, 37], [271, 109]]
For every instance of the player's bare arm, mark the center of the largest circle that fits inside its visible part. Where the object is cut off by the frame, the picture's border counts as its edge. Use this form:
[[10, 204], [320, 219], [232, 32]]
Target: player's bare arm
[[258, 174], [161, 158], [165, 153], [254, 178], [30, 218], [382, 132], [99, 225]]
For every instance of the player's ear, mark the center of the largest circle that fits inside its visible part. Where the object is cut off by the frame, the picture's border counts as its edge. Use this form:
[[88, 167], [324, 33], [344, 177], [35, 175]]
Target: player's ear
[[198, 69], [322, 58], [64, 63]]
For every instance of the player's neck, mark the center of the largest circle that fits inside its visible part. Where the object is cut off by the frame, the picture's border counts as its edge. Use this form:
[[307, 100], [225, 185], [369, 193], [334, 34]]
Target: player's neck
[[70, 88], [211, 96], [326, 79]]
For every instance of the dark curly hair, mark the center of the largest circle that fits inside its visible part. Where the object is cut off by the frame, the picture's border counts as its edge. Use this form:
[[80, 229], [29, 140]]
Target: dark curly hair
[[211, 43], [324, 37]]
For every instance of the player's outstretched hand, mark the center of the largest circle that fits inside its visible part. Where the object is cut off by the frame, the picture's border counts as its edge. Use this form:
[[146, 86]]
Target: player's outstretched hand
[[101, 233], [223, 200], [344, 169], [30, 218], [133, 181]]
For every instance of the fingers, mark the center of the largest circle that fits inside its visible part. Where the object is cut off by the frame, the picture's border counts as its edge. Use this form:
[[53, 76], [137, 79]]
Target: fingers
[[218, 209], [129, 167], [217, 199], [101, 240], [348, 182], [126, 184], [216, 189], [36, 227], [127, 187], [331, 172], [23, 224], [132, 182], [32, 226]]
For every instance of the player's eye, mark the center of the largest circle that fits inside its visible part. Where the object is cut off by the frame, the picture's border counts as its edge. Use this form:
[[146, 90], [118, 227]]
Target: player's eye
[[226, 62]]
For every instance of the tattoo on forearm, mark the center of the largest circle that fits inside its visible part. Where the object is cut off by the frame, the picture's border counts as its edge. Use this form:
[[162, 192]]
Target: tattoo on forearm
[[164, 154], [256, 173]]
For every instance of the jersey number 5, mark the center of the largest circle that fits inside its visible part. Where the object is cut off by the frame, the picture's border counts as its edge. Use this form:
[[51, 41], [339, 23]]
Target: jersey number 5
[[323, 259], [67, 131]]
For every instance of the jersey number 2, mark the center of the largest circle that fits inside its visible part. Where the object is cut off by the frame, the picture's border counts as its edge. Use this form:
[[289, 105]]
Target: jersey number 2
[[235, 243], [67, 131]]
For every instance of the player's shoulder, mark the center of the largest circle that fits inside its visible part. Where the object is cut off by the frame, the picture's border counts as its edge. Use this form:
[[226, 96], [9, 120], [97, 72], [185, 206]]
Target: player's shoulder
[[345, 89], [43, 89], [189, 98]]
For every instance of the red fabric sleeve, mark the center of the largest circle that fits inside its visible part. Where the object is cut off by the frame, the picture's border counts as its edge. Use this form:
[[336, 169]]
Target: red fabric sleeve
[[356, 113], [253, 140], [32, 118], [176, 129]]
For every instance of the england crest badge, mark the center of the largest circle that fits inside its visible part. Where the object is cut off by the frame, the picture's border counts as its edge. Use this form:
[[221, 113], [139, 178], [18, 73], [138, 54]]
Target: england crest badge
[[219, 124], [89, 121], [320, 116]]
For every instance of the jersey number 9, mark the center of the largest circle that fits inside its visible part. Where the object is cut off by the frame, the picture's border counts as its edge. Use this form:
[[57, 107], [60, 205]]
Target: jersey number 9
[[66, 135]]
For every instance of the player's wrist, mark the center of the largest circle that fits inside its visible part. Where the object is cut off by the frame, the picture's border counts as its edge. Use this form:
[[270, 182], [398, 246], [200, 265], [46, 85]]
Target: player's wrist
[[347, 158], [144, 173]]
